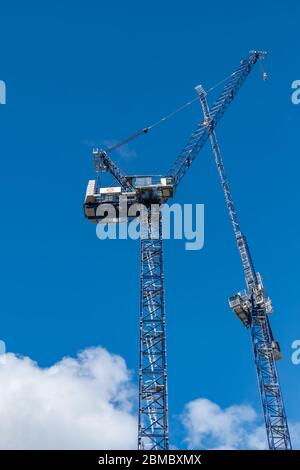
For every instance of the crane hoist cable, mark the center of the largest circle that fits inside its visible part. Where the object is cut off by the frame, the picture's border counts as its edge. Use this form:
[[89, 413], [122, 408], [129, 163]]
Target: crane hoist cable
[[262, 68], [145, 130], [264, 73]]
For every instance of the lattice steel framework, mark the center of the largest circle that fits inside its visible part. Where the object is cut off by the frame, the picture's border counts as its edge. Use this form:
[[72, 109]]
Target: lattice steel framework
[[273, 407], [258, 307], [153, 396], [153, 406]]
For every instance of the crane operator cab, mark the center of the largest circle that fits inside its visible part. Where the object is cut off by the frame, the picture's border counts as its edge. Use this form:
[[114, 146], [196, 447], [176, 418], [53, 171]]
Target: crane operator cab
[[153, 189]]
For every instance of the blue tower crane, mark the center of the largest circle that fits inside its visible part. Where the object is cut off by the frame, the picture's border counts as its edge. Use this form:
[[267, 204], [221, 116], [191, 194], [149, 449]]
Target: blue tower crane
[[253, 307], [145, 194]]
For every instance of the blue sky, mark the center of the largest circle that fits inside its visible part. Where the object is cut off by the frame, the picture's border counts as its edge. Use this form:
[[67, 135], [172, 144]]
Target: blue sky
[[82, 73]]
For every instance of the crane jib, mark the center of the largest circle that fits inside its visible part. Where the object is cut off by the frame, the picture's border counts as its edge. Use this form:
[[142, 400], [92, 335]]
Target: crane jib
[[202, 132]]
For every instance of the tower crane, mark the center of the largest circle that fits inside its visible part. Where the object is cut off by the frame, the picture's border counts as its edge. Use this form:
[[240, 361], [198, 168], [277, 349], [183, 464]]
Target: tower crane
[[252, 307], [152, 191]]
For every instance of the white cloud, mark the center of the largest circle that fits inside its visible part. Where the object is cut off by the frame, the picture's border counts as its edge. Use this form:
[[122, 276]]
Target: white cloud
[[81, 403], [208, 426], [124, 151], [88, 403], [295, 435]]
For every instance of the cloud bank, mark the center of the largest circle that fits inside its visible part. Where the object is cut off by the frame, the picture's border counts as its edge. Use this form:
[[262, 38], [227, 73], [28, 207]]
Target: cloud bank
[[81, 403], [208, 426], [89, 402]]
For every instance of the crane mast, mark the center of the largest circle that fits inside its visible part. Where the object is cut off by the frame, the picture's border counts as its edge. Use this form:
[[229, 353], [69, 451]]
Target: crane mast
[[247, 262], [253, 307], [153, 432]]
